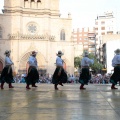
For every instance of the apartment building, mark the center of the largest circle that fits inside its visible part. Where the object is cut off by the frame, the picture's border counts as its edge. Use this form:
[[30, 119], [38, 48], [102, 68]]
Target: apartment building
[[110, 44], [108, 53], [84, 39], [105, 24]]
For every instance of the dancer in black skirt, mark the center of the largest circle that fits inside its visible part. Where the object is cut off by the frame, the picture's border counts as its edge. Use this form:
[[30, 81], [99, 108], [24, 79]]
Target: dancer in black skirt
[[32, 75], [7, 74], [85, 75], [59, 75], [116, 64]]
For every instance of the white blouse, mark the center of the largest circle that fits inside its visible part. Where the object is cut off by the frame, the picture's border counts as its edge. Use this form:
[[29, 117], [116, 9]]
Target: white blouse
[[116, 60], [8, 61], [32, 61], [59, 61], [86, 61]]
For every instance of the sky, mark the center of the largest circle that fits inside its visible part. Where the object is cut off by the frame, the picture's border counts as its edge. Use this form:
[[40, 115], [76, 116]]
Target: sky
[[84, 12]]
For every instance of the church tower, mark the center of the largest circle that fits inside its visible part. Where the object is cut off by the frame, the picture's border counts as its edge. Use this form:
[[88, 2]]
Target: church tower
[[35, 6], [13, 4]]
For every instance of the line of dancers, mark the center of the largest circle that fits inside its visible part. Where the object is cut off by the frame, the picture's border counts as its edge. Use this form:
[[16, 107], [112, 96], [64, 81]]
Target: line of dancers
[[60, 75]]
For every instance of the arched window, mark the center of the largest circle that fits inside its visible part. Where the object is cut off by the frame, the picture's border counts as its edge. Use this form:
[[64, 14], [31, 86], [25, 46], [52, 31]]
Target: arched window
[[33, 0], [0, 32], [62, 35], [38, 0]]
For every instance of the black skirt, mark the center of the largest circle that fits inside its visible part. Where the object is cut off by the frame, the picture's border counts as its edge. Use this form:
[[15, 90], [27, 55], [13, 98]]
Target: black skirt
[[85, 76], [32, 76], [62, 78], [7, 75], [116, 75]]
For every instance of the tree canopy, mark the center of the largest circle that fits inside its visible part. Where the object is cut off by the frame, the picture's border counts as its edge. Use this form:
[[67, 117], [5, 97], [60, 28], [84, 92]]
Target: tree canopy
[[77, 61]]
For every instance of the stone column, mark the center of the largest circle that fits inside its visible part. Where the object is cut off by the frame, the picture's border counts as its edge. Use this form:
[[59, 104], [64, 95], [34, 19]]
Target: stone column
[[36, 4], [29, 4], [32, 4]]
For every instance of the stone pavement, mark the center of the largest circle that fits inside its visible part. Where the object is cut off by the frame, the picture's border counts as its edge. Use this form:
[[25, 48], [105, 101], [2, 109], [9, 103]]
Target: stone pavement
[[98, 102]]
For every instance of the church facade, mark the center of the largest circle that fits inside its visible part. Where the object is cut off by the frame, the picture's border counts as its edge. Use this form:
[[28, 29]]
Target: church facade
[[35, 25]]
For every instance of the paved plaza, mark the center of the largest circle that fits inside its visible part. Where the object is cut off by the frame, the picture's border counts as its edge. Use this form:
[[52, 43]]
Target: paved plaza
[[98, 102]]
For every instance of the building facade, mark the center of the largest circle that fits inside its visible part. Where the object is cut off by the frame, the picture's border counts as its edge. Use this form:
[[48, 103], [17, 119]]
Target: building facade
[[108, 53], [84, 40], [110, 44], [28, 25], [105, 24]]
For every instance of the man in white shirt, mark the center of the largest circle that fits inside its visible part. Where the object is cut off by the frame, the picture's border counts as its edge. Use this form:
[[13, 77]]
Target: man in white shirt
[[33, 75], [85, 73], [59, 75], [7, 74], [116, 64]]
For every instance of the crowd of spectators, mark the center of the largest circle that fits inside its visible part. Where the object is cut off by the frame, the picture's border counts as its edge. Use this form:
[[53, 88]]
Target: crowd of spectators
[[95, 79], [42, 79], [100, 79]]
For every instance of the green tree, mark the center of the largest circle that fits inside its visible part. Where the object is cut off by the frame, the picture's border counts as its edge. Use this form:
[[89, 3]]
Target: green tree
[[77, 61], [96, 66]]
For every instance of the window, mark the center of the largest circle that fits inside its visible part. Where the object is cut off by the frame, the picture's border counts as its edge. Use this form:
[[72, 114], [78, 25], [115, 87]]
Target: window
[[92, 38], [85, 43], [96, 39], [96, 23], [96, 28], [102, 22], [75, 35], [102, 28], [32, 28], [85, 38], [85, 34], [38, 0], [0, 32], [110, 32], [62, 35], [96, 33], [33, 0], [103, 33]]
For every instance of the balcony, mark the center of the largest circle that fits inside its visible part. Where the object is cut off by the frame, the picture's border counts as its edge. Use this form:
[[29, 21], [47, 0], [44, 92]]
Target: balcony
[[85, 46], [110, 32], [91, 35], [92, 51]]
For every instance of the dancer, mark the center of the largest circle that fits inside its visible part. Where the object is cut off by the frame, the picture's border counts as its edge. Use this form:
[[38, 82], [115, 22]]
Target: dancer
[[7, 74], [116, 64], [59, 75], [32, 75], [85, 74]]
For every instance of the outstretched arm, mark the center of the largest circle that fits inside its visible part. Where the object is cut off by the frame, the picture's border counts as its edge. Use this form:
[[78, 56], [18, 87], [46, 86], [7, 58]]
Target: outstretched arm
[[89, 61]]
